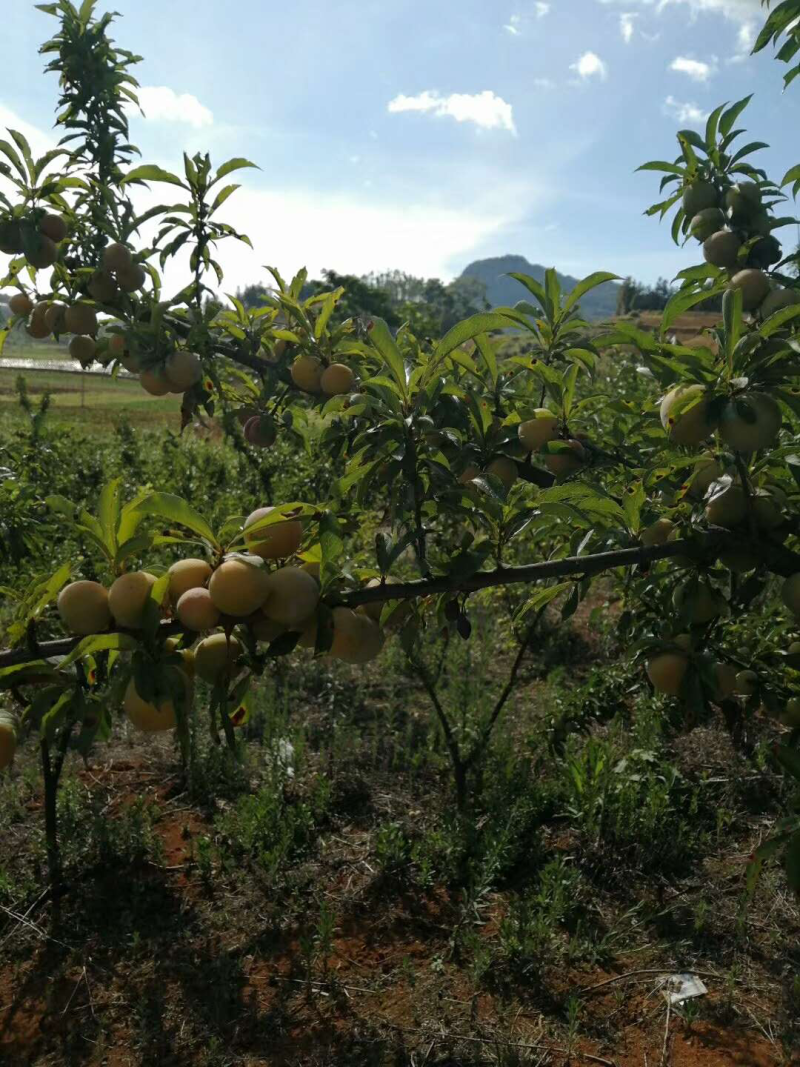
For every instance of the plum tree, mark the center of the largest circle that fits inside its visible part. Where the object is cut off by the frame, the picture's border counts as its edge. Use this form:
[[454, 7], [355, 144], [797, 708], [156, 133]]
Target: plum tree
[[668, 524], [128, 598], [84, 607], [278, 540], [238, 586]]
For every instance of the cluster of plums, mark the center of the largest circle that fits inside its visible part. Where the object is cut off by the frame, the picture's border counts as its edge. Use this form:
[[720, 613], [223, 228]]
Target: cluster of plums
[[252, 589], [735, 231]]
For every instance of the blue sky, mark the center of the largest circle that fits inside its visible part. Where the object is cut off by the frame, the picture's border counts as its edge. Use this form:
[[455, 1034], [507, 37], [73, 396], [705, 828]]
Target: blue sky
[[423, 135]]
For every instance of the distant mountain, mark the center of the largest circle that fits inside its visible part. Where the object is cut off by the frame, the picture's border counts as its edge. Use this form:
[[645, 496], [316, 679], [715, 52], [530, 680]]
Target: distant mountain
[[600, 303]]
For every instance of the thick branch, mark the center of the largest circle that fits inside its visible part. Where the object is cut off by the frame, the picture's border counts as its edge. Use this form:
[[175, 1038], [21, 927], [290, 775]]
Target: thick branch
[[708, 546]]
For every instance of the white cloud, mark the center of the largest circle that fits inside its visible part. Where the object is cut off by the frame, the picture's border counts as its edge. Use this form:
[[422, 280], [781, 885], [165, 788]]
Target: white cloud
[[626, 21], [513, 25], [695, 69], [544, 83], [590, 66], [542, 9], [162, 104], [688, 114], [516, 23], [487, 111]]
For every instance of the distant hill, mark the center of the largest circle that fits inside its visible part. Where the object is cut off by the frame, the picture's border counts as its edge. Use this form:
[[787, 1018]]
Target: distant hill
[[600, 303]]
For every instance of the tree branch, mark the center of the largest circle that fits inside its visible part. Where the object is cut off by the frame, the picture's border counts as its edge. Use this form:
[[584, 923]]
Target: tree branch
[[779, 560]]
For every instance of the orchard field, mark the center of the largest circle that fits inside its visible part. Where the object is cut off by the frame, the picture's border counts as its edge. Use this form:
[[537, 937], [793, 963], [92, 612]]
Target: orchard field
[[378, 694]]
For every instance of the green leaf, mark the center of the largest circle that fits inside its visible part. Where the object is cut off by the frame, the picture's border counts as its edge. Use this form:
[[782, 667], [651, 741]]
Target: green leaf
[[600, 277], [660, 165], [381, 338], [99, 643], [541, 598], [176, 509], [149, 172], [484, 346], [683, 300], [732, 114], [222, 196], [468, 329], [789, 759], [330, 539], [108, 513], [237, 163], [537, 290]]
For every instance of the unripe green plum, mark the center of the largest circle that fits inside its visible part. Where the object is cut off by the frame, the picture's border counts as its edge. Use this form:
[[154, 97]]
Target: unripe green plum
[[187, 574], [743, 201], [131, 278], [658, 533], [536, 432], [197, 611], [750, 422], [698, 603], [238, 588], [82, 348], [790, 593], [706, 471], [116, 257], [154, 381], [292, 597], [216, 656], [505, 469], [182, 370], [83, 607], [777, 300], [102, 287], [727, 508], [704, 223], [337, 379], [698, 197], [666, 672], [721, 249], [306, 373], [20, 304], [80, 318], [277, 541], [128, 598], [754, 286], [685, 415], [260, 431], [567, 461], [8, 738], [726, 679], [791, 714], [746, 683]]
